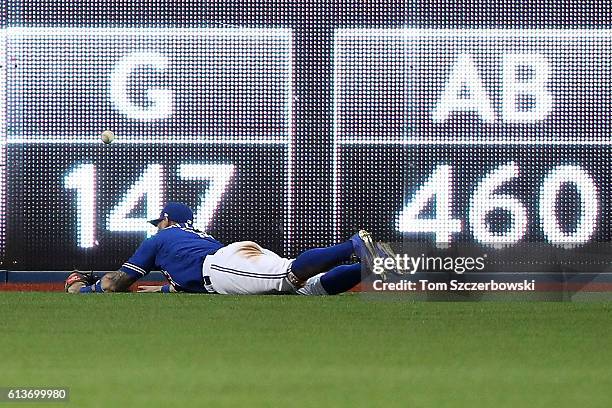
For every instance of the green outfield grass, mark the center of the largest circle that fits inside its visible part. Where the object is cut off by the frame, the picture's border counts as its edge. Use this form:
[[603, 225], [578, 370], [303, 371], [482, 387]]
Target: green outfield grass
[[135, 350]]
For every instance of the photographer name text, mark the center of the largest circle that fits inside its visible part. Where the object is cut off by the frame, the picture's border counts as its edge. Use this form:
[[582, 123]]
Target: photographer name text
[[453, 285]]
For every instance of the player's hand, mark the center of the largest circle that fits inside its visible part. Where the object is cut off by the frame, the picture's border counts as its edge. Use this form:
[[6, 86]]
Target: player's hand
[[76, 280], [149, 289]]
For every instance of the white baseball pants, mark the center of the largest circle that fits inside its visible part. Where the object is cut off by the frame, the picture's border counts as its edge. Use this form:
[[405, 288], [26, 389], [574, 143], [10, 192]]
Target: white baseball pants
[[245, 268]]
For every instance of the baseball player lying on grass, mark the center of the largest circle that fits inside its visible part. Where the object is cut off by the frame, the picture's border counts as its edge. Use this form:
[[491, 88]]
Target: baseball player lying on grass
[[193, 261]]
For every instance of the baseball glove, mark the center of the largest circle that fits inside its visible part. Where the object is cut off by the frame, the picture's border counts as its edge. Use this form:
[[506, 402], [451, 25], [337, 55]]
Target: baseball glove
[[88, 278]]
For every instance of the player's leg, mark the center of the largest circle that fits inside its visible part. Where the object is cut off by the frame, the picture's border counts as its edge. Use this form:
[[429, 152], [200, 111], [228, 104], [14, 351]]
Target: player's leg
[[338, 280], [246, 268], [314, 261], [341, 278], [318, 260]]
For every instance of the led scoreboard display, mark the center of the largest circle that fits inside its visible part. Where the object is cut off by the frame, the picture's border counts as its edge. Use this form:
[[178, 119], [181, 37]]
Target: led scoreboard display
[[2, 143], [493, 137], [201, 116], [429, 135]]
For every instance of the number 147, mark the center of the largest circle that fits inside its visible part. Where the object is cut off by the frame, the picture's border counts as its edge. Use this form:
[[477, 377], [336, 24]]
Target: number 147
[[82, 178]]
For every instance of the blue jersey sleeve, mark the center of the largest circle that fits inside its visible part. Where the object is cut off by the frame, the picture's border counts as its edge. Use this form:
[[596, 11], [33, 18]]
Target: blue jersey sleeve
[[143, 260]]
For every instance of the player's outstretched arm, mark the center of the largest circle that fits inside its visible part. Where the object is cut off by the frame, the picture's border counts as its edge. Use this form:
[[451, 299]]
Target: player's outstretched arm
[[116, 281], [139, 264]]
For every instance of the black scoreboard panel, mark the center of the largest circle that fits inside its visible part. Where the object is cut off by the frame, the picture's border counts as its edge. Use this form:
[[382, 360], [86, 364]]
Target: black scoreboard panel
[[296, 124], [201, 116], [84, 202], [483, 194], [485, 136]]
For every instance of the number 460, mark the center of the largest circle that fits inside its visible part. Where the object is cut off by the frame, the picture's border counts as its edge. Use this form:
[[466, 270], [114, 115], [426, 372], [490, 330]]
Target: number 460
[[82, 178], [485, 200]]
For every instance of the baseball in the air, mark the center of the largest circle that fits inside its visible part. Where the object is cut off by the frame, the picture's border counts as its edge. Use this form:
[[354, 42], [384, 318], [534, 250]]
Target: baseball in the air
[[107, 136]]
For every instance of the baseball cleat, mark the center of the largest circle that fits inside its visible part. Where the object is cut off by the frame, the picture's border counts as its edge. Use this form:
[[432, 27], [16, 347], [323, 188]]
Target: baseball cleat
[[364, 248], [384, 251]]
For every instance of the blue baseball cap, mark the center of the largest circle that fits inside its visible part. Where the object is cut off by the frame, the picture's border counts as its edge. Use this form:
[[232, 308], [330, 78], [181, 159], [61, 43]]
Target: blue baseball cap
[[177, 212]]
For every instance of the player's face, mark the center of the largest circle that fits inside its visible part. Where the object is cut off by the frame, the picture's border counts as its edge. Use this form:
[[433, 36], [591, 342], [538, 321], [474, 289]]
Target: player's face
[[163, 224]]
